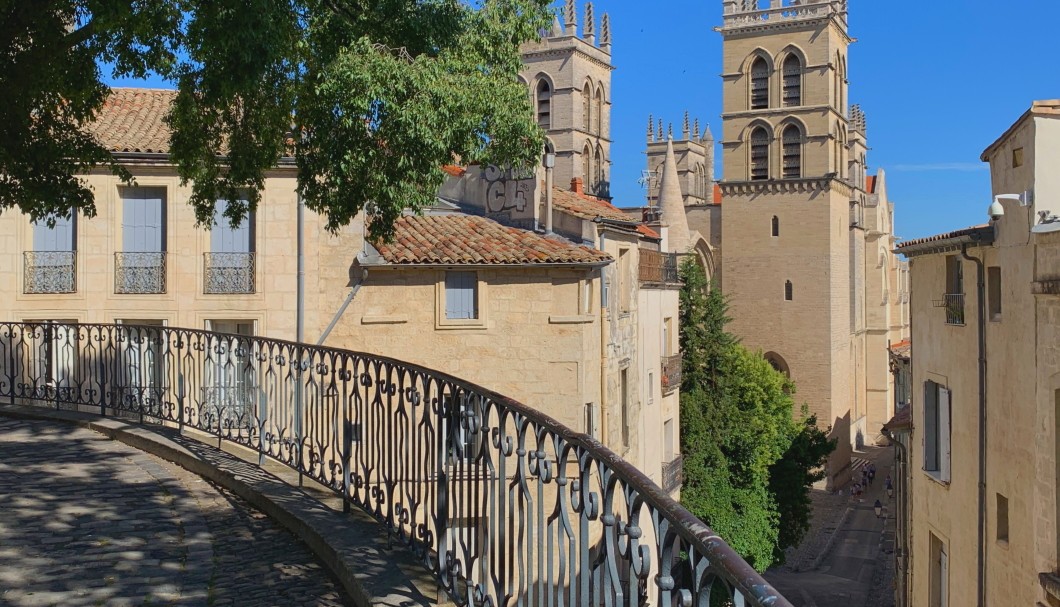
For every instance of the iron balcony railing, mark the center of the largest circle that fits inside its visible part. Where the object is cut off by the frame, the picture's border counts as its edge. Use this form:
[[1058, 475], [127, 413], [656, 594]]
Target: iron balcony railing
[[673, 474], [228, 273], [504, 504], [140, 272], [953, 303], [671, 373], [658, 268], [49, 271]]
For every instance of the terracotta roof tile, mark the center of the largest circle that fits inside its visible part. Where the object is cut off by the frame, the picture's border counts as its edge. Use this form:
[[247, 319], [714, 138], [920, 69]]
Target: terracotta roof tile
[[585, 206], [717, 193], [902, 348], [474, 240], [948, 235], [902, 420], [870, 184], [645, 230], [454, 171], [132, 120]]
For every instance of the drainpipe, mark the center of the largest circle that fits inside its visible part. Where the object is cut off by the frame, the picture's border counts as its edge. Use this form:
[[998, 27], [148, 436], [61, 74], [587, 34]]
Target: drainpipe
[[980, 288], [901, 458], [342, 308], [603, 349], [300, 331]]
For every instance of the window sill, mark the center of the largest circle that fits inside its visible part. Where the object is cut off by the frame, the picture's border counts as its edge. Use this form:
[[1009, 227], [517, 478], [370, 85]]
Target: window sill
[[384, 320], [571, 320], [452, 324], [937, 478]]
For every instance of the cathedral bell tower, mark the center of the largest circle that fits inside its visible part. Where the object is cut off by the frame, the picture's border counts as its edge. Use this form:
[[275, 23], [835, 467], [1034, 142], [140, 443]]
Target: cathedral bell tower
[[788, 240], [694, 153], [569, 78]]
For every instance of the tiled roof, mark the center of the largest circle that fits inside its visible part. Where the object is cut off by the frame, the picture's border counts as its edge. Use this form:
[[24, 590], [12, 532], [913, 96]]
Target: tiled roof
[[870, 184], [902, 348], [645, 230], [474, 240], [454, 171], [131, 120], [585, 206], [902, 420], [978, 230]]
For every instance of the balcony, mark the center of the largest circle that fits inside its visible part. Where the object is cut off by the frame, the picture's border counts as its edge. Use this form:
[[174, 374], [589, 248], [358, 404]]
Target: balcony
[[50, 271], [228, 273], [658, 268], [304, 407], [673, 474], [671, 373], [953, 303], [140, 272]]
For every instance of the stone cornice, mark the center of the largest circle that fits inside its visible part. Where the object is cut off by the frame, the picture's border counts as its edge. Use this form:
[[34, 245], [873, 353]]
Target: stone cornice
[[827, 183], [785, 112], [545, 53]]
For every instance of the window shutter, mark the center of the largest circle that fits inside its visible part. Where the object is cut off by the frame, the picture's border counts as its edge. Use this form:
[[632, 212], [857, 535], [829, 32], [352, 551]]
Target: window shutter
[[460, 297], [226, 239], [944, 433], [59, 238], [931, 426], [142, 222]]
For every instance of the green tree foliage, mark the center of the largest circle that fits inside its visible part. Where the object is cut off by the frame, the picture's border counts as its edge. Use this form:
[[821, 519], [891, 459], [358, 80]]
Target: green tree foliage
[[375, 96], [737, 432]]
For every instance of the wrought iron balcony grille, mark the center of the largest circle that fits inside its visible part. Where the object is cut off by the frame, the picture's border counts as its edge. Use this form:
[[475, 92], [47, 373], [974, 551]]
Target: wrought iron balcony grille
[[673, 474], [140, 272], [502, 503], [228, 273], [50, 271], [953, 303], [671, 373], [658, 268]]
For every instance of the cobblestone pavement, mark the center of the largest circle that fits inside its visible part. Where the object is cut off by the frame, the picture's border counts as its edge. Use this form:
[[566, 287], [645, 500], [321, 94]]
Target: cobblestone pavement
[[847, 558], [88, 521]]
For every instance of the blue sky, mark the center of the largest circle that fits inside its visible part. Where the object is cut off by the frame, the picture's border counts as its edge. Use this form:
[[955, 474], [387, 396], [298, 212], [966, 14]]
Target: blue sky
[[939, 81]]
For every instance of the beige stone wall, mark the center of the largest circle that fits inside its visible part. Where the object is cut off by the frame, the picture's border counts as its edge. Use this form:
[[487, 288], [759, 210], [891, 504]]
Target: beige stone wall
[[660, 418], [272, 307]]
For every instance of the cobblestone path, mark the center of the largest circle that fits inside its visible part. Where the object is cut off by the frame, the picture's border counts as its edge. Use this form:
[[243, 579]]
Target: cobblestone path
[[88, 521]]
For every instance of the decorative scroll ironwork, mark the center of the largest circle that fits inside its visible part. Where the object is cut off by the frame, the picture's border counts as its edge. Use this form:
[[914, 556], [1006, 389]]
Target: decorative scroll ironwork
[[504, 504], [140, 272], [673, 474], [671, 373], [228, 273], [50, 271], [658, 268]]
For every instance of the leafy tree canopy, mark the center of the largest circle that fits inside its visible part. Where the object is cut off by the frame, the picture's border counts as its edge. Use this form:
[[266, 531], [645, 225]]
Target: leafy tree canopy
[[374, 96]]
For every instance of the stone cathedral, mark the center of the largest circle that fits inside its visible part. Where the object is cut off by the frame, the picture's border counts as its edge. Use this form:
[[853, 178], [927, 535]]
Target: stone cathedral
[[800, 233]]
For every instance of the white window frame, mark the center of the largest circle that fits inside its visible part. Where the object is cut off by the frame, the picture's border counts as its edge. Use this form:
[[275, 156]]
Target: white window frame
[[936, 441], [442, 321]]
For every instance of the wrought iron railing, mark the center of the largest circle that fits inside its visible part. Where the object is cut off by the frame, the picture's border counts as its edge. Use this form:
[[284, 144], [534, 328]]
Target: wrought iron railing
[[953, 303], [140, 272], [228, 273], [504, 504], [49, 271], [671, 373], [658, 268], [673, 474]]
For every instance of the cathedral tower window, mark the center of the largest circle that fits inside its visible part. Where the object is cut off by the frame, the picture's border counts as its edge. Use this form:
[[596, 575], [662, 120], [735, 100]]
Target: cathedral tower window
[[598, 174], [775, 226], [587, 104], [598, 111], [759, 84], [792, 141], [544, 105], [759, 154], [792, 81], [587, 165], [787, 291]]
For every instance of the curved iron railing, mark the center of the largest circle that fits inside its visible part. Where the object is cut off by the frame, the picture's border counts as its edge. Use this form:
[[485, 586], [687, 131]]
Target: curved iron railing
[[504, 504]]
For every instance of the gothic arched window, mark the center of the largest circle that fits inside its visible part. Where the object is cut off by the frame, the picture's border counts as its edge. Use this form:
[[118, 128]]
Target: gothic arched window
[[759, 84], [598, 174], [792, 142], [544, 104], [759, 154], [587, 166], [792, 81], [598, 111], [587, 104]]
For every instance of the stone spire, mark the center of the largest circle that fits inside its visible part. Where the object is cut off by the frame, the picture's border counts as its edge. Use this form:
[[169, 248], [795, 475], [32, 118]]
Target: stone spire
[[605, 34], [684, 127], [672, 204], [557, 27], [659, 131], [695, 130], [707, 135], [651, 121], [571, 18], [590, 24], [670, 130]]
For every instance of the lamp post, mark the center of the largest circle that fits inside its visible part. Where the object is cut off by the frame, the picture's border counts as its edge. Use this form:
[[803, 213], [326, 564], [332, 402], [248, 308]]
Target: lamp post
[[550, 163]]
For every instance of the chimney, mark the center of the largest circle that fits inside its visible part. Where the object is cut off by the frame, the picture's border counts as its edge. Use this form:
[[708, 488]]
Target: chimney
[[576, 185]]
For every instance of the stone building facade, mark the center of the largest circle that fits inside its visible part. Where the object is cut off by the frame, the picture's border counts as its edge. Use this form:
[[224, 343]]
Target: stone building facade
[[983, 453]]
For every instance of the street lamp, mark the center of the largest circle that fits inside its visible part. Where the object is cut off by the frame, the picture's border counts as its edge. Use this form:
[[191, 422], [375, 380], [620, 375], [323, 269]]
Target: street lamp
[[878, 507]]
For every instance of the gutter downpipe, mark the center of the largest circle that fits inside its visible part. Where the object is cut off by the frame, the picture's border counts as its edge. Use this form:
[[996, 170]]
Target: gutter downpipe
[[603, 349], [902, 457], [980, 288], [299, 405], [342, 308]]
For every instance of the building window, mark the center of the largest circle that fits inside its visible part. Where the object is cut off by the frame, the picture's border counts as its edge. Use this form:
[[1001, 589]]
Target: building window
[[792, 81], [592, 421], [953, 299], [759, 84], [598, 172], [461, 295], [229, 266], [937, 431], [651, 387], [1017, 157], [598, 112], [759, 154], [1002, 519], [993, 285], [792, 139], [938, 581], [624, 270], [587, 104], [775, 226], [587, 166], [51, 266], [544, 105], [624, 395], [140, 267], [230, 385], [787, 291]]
